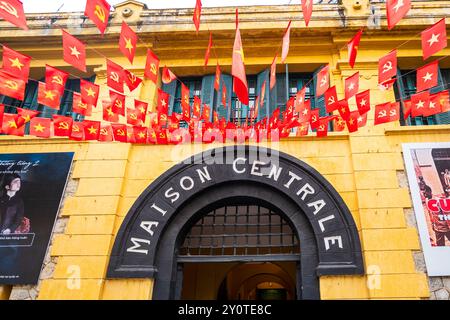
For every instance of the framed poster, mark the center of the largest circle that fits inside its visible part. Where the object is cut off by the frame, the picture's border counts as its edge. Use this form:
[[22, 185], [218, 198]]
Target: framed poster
[[31, 189], [428, 169]]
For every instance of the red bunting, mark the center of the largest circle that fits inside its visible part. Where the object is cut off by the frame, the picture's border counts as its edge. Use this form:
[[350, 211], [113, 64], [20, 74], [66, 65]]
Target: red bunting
[[344, 109], [167, 75], [162, 106], [419, 102], [387, 66], [89, 92], [79, 106], [10, 127], [314, 118], [240, 86], [387, 112], [217, 78], [115, 76], [108, 114], [353, 46], [197, 14], [12, 87], [74, 51], [151, 67], [323, 80], [396, 10], [119, 132], [363, 102], [49, 98], [331, 99], [131, 80], [106, 134], [62, 125], [91, 129], [286, 41], [434, 39], [427, 76], [12, 11], [16, 64], [117, 102], [196, 108], [25, 115], [299, 99], [273, 72], [77, 132], [208, 50], [127, 42], [307, 8], [40, 127], [351, 85], [55, 79], [98, 12], [304, 112]]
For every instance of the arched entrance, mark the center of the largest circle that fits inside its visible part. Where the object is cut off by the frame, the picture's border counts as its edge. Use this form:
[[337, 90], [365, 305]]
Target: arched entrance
[[154, 231]]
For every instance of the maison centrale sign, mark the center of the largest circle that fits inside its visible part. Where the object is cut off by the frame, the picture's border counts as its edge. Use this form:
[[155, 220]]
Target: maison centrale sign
[[313, 196]]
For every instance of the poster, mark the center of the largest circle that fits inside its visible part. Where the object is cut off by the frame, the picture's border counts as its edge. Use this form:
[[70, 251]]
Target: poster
[[31, 190], [428, 169]]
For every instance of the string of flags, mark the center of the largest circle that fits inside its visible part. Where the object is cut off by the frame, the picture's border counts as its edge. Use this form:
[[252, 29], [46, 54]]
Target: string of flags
[[203, 123]]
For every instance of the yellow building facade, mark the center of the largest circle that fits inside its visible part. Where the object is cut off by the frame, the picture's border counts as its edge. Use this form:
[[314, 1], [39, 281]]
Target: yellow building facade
[[365, 168]]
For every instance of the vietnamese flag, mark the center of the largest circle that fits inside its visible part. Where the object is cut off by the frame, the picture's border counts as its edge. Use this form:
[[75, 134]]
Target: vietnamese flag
[[10, 127], [151, 67], [339, 124], [407, 108], [286, 40], [167, 75], [363, 101], [352, 122], [49, 98], [89, 92], [62, 125], [344, 109], [353, 46], [307, 8], [98, 12], [141, 107], [25, 115], [91, 129], [196, 108], [419, 102], [184, 97], [108, 114], [224, 95], [127, 42], [79, 106], [434, 39], [240, 86], [55, 79], [208, 50], [115, 76], [323, 80], [140, 134], [427, 76], [197, 14], [16, 64], [131, 80], [40, 127], [434, 105], [273, 72], [217, 78], [74, 51], [387, 66], [331, 99], [351, 85], [12, 87], [396, 10], [162, 106], [12, 11], [302, 129], [117, 102], [206, 112], [120, 132], [106, 134], [304, 113]]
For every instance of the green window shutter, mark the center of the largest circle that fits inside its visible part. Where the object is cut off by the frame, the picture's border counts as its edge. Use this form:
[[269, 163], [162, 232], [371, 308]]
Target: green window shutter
[[223, 112], [207, 94], [264, 75], [441, 118], [171, 89]]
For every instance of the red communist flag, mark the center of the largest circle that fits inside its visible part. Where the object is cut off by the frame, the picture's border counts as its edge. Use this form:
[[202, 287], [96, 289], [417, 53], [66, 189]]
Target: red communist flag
[[12, 87], [131, 80], [141, 107], [108, 114], [217, 78], [419, 102], [115, 76], [62, 126], [387, 112], [206, 112], [352, 122], [77, 132], [55, 79], [25, 115], [323, 80], [299, 99], [162, 106], [322, 128], [307, 8], [49, 98], [339, 124], [314, 118], [89, 92], [140, 134], [2, 110], [407, 108], [74, 51], [263, 94], [434, 39], [127, 41], [186, 111], [427, 76], [197, 14], [224, 96], [106, 134], [12, 11], [331, 99], [10, 127], [133, 117], [434, 106], [16, 64], [91, 129], [151, 66], [387, 66], [98, 12], [167, 75], [351, 85], [79, 106], [304, 113], [117, 102], [40, 127], [196, 108], [387, 85], [273, 72], [119, 132], [363, 101], [238, 68], [353, 46], [396, 10], [286, 41], [208, 50], [344, 109]]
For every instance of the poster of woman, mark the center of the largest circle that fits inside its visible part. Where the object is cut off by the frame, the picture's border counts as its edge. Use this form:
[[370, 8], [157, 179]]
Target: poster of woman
[[31, 189]]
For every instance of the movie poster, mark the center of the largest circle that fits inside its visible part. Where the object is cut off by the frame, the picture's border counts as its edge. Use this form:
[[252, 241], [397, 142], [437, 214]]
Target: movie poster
[[428, 169], [31, 189]]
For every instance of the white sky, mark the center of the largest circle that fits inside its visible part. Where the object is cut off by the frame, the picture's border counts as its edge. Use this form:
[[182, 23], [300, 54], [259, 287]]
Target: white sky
[[33, 6]]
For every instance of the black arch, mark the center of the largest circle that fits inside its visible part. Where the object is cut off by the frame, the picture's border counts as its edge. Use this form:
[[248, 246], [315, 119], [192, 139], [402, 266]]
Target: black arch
[[225, 185]]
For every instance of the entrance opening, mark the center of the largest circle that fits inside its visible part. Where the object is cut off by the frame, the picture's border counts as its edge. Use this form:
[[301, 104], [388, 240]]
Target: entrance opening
[[243, 251]]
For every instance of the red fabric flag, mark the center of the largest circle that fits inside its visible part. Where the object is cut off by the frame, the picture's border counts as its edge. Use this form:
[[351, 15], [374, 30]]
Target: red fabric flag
[[307, 8], [339, 124], [434, 39], [77, 132], [25, 115], [106, 134], [162, 105], [91, 129], [224, 95], [419, 102], [344, 109], [314, 118], [74, 51], [240, 86], [434, 106], [55, 79], [185, 97], [196, 109], [12, 11], [117, 102], [161, 136], [263, 94], [89, 92], [197, 14], [10, 127], [141, 107], [444, 101], [387, 112], [115, 76], [108, 114], [299, 99], [331, 99], [208, 50], [289, 113], [2, 111], [98, 12], [396, 10], [62, 125], [127, 41], [362, 120], [407, 108], [322, 128], [40, 127], [49, 98], [304, 113], [215, 118], [351, 85], [15, 63], [119, 132], [323, 80], [167, 75], [302, 129], [186, 112], [427, 76], [387, 66], [286, 40], [363, 101], [352, 122], [151, 67], [151, 136], [387, 85], [12, 87], [352, 47], [79, 106], [273, 72], [217, 78], [131, 80], [206, 112], [140, 134], [133, 117]]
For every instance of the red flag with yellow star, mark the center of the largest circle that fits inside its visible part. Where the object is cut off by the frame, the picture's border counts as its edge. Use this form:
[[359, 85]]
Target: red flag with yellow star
[[323, 80], [273, 72], [396, 10], [25, 115], [91, 129], [10, 127], [140, 134], [131, 80], [11, 86], [206, 112], [62, 125], [353, 46], [427, 76], [208, 50], [74, 51], [302, 129], [351, 85], [151, 67], [127, 42], [12, 11], [89, 92], [344, 109], [363, 101], [108, 114], [240, 86], [217, 78], [338, 124], [49, 98], [196, 108], [352, 122], [98, 12], [434, 39], [16, 64], [141, 107], [40, 127], [286, 40], [197, 14]]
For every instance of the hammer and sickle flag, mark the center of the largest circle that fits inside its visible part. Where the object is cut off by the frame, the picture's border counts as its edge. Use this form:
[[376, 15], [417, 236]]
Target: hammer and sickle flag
[[240, 86], [62, 125], [131, 80], [387, 67], [11, 87], [12, 11], [98, 12], [151, 67], [115, 76], [55, 79]]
